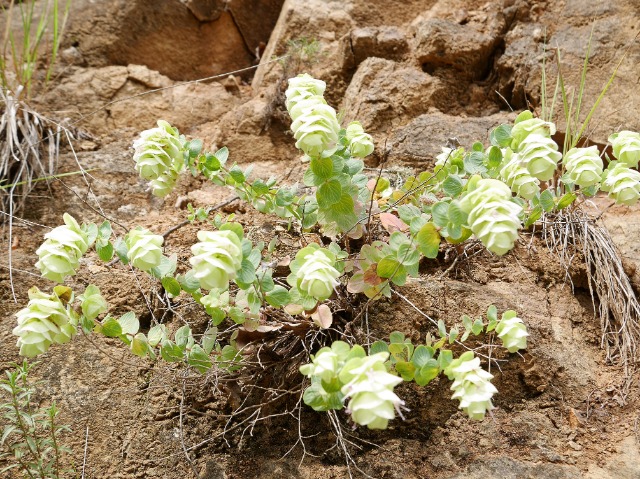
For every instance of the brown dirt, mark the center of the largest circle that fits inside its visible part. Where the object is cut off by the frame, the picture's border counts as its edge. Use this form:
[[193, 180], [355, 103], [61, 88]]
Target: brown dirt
[[415, 73]]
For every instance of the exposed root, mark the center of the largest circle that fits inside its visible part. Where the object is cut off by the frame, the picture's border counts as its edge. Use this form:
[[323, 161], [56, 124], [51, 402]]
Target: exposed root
[[575, 232]]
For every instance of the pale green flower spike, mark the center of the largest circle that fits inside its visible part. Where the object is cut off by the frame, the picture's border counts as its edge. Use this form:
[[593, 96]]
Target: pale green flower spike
[[583, 166], [540, 155], [492, 216], [93, 304], [315, 125], [471, 385], [216, 299], [512, 331], [327, 362], [533, 126], [626, 147], [517, 176], [325, 365], [216, 259], [301, 87], [622, 183], [158, 150], [144, 249], [45, 321], [370, 387], [164, 184], [314, 273], [62, 249], [360, 143]]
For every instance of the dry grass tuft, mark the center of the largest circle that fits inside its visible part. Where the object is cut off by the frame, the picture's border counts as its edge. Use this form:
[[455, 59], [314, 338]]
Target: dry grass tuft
[[29, 145], [576, 232]]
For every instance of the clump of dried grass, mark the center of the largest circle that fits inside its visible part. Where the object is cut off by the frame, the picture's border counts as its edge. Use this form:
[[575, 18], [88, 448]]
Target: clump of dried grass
[[29, 145], [576, 231]]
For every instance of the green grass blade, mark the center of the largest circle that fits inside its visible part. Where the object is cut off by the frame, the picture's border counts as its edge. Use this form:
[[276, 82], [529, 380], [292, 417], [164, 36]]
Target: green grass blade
[[46, 178], [553, 100], [583, 81], [599, 99], [563, 93], [543, 85]]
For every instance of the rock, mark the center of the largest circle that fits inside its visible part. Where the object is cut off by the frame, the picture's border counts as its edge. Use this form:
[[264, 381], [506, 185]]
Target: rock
[[384, 94], [183, 40], [248, 135], [508, 468], [623, 224], [325, 21], [519, 68], [205, 10], [382, 42], [110, 97], [418, 142], [444, 45], [255, 20], [620, 465]]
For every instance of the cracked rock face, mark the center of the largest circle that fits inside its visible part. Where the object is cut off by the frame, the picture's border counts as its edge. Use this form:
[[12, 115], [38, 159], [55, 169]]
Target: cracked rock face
[[183, 40]]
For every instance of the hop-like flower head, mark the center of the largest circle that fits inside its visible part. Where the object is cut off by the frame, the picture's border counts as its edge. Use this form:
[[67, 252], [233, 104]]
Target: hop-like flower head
[[517, 176], [512, 331], [626, 147], [315, 126], [60, 253], [217, 258], [326, 363], [301, 87], [158, 150], [360, 143], [622, 183], [313, 272], [540, 155], [583, 165], [216, 299], [164, 184], [43, 322], [492, 216], [93, 304], [144, 249], [471, 385], [370, 387], [526, 128]]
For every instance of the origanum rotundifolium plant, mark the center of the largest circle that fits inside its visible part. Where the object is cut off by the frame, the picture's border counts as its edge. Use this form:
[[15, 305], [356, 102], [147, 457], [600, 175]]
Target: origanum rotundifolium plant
[[489, 192]]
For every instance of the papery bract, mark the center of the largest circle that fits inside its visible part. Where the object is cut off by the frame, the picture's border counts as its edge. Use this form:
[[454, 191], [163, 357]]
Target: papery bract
[[516, 175], [360, 143], [43, 322], [512, 331], [144, 248], [158, 150], [60, 253], [626, 147], [540, 155], [492, 216], [583, 166], [533, 126], [471, 385], [370, 389], [314, 274], [301, 87], [622, 184], [216, 258]]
